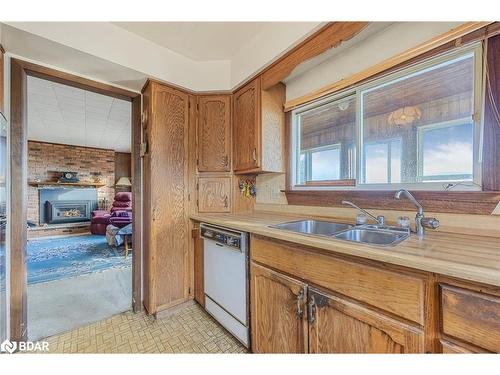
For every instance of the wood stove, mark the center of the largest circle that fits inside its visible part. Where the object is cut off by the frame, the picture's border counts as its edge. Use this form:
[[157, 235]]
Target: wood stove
[[73, 211]]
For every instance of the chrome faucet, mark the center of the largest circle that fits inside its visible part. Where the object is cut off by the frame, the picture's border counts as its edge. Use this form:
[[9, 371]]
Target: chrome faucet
[[421, 222], [379, 219]]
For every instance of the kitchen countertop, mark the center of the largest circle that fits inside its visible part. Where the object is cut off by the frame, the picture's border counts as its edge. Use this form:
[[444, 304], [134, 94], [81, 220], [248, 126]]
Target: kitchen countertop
[[468, 257]]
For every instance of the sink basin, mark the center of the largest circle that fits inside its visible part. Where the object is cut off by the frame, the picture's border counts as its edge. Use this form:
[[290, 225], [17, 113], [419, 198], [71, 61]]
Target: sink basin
[[373, 235], [313, 227]]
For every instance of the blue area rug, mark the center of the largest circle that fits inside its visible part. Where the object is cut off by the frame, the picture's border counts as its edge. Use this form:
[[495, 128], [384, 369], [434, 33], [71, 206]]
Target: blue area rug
[[58, 258]]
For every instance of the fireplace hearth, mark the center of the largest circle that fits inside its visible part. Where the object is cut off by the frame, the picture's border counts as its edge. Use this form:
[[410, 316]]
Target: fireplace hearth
[[67, 211]]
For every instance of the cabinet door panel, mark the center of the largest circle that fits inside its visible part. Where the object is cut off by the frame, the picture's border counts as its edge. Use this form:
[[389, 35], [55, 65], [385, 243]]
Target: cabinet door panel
[[279, 323], [247, 127], [340, 326], [214, 194], [214, 134], [471, 317], [167, 197]]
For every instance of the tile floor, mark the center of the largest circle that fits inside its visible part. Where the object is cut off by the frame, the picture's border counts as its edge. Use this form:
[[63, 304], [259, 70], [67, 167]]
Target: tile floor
[[187, 330]]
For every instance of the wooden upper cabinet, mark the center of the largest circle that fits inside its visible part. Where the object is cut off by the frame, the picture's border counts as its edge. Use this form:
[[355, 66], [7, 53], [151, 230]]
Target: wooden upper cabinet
[[214, 194], [247, 127], [341, 326], [279, 322], [258, 128], [214, 133]]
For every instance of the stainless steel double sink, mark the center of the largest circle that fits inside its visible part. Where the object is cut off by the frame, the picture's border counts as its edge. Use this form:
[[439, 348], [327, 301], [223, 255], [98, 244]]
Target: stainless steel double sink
[[378, 235]]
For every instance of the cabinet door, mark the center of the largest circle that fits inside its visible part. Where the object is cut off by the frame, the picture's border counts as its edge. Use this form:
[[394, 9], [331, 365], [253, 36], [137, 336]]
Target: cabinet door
[[246, 127], [279, 323], [167, 221], [340, 326], [214, 133], [448, 347], [214, 194]]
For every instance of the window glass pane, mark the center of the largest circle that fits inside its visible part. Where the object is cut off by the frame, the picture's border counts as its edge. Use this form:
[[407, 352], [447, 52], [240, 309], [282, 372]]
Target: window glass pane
[[405, 125], [326, 141], [382, 162], [447, 152], [376, 163], [325, 165]]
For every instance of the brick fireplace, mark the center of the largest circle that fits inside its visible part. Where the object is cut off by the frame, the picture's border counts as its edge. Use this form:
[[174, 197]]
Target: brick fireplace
[[46, 160]]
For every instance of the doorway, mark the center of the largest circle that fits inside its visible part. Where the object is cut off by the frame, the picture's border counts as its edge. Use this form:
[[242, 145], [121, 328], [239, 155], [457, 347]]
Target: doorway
[[76, 251]]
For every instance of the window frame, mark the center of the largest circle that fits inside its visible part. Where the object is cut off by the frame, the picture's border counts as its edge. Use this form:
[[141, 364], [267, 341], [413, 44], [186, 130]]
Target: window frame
[[475, 49]]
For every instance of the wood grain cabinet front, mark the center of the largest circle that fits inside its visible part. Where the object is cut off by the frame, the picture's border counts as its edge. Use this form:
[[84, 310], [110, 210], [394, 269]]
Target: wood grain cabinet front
[[279, 323], [214, 194], [290, 316], [214, 133], [166, 232], [258, 128], [337, 325], [471, 317]]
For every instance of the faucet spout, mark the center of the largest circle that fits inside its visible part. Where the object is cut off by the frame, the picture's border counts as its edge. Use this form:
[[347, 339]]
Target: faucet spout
[[378, 219], [411, 198]]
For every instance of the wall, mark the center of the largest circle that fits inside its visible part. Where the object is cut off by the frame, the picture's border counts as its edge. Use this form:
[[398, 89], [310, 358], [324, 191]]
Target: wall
[[372, 49], [45, 160], [123, 168]]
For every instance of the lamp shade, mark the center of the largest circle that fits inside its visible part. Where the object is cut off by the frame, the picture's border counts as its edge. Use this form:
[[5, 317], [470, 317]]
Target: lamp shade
[[124, 181], [405, 115]]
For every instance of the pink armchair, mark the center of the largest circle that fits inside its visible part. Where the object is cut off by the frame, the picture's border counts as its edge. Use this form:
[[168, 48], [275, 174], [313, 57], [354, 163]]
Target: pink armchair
[[120, 214]]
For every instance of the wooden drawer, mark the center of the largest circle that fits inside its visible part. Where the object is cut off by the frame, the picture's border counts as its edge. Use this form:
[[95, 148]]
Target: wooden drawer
[[399, 293], [471, 316]]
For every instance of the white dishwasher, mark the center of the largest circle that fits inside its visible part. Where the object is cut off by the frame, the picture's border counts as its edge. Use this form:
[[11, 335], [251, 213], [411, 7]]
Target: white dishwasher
[[226, 278]]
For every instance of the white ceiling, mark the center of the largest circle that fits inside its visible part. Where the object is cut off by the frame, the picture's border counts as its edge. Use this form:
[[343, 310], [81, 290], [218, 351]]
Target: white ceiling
[[199, 56], [200, 41], [63, 114]]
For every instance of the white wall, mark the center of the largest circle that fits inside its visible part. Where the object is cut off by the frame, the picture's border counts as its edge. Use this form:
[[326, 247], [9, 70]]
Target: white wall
[[355, 57]]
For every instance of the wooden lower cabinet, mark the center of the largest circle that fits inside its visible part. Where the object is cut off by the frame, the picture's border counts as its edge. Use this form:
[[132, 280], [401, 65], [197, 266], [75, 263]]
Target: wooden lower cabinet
[[290, 317], [452, 348], [337, 325], [279, 323]]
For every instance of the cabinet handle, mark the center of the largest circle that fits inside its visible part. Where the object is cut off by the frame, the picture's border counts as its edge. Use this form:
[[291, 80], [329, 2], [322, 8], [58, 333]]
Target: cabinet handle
[[300, 298], [254, 154], [311, 310], [226, 201]]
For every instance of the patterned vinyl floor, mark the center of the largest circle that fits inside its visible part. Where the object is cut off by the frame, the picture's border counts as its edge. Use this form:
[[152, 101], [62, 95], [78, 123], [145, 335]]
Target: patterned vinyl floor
[[187, 330]]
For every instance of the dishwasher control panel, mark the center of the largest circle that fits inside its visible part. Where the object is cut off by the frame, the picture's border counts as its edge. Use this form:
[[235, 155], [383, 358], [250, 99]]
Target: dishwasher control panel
[[221, 236]]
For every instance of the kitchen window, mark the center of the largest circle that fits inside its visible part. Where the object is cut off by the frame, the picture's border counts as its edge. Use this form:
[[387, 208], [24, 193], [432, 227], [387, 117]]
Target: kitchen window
[[417, 128]]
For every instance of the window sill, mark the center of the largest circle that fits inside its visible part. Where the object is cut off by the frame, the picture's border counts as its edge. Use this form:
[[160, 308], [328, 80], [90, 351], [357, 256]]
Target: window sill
[[463, 202]]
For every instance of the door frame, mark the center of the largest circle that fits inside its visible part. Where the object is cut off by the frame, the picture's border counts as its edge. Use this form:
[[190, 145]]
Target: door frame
[[20, 70]]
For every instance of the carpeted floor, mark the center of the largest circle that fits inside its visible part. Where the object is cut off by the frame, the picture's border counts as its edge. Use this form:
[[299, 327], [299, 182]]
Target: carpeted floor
[[62, 305], [74, 281], [59, 258]]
